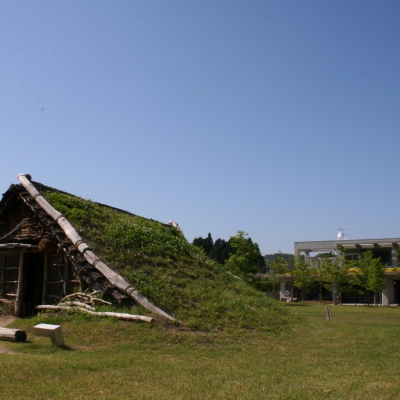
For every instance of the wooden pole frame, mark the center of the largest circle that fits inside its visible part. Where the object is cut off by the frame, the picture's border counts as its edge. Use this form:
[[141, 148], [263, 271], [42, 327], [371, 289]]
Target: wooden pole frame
[[20, 288]]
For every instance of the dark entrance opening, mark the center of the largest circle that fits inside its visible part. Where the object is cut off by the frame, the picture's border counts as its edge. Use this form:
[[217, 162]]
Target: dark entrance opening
[[33, 267], [396, 287]]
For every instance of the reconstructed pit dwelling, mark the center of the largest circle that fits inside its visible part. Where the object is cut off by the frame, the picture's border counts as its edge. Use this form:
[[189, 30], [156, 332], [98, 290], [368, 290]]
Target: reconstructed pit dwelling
[[43, 258]]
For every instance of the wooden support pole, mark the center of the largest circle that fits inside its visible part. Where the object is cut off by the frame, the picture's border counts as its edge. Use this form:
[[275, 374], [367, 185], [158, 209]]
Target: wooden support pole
[[328, 314], [45, 278], [20, 287], [66, 275]]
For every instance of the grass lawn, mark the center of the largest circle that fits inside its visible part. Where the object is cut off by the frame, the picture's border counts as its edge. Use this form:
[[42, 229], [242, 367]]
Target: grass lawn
[[356, 356]]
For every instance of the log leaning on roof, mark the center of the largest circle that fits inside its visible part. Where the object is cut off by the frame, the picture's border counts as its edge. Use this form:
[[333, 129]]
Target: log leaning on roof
[[115, 279]]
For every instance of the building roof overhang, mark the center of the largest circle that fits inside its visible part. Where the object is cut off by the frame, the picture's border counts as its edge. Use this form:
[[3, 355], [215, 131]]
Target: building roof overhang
[[332, 245]]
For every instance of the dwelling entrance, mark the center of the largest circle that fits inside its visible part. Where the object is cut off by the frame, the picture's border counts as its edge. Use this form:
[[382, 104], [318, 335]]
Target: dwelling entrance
[[32, 278], [33, 267]]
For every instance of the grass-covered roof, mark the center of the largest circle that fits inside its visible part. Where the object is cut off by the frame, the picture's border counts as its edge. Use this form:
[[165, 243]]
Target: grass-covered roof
[[168, 270]]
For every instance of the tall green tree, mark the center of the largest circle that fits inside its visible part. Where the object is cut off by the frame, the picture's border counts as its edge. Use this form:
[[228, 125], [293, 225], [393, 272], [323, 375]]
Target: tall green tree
[[206, 243], [303, 277], [246, 259], [370, 274], [319, 278], [335, 272], [280, 269], [221, 251]]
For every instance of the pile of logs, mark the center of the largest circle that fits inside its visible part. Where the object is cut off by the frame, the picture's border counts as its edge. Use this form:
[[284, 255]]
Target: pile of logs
[[86, 303]]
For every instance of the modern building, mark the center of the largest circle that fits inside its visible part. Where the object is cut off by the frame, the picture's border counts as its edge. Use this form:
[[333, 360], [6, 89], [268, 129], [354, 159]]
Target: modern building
[[386, 249]]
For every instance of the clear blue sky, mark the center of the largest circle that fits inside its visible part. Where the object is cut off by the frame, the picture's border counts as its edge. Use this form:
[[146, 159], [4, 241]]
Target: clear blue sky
[[279, 118]]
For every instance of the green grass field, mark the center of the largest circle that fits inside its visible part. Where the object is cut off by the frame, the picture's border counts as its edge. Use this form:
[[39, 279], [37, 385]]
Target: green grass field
[[355, 356]]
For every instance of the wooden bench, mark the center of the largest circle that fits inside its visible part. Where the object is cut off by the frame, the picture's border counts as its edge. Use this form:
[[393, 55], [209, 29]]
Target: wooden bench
[[52, 331]]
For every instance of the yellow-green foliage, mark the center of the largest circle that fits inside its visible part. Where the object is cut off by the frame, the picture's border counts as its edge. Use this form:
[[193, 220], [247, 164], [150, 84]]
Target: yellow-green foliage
[[166, 268]]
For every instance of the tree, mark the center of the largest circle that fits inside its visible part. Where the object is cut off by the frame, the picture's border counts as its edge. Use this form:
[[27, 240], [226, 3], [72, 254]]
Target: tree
[[246, 259], [221, 251], [207, 243], [318, 273], [279, 266], [370, 274], [335, 272], [303, 277]]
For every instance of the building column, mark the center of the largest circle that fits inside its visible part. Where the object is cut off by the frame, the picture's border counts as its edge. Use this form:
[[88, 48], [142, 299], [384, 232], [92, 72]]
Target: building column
[[385, 294], [282, 290]]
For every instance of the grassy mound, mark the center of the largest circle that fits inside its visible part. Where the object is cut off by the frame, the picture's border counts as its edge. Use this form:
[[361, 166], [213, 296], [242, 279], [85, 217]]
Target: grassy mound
[[172, 273]]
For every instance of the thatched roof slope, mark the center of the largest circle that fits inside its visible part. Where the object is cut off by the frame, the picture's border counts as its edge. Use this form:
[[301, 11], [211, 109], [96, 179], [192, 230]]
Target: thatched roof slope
[[154, 260]]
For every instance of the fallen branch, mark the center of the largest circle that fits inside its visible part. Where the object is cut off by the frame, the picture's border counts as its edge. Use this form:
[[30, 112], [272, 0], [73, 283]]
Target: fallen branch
[[78, 304], [101, 301], [128, 317], [83, 296], [86, 297]]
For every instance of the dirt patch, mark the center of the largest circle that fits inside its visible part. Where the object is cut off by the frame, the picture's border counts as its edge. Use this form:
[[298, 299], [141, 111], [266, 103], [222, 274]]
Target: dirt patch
[[6, 351], [6, 320]]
